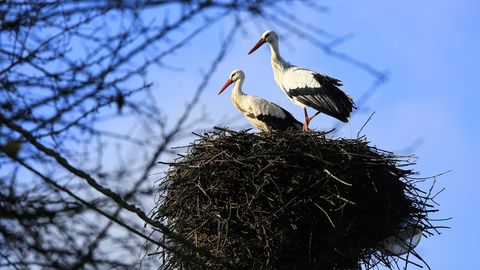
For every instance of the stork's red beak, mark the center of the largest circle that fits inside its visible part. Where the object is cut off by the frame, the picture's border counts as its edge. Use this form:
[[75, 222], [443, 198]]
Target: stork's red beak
[[225, 86], [257, 45]]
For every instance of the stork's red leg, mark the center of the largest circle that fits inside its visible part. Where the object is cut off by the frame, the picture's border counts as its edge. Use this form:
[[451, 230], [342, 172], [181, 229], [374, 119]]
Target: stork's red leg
[[313, 116], [307, 121], [305, 125]]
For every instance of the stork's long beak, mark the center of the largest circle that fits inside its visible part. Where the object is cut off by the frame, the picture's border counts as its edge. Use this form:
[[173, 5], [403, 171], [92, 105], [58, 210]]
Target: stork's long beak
[[225, 86], [257, 45]]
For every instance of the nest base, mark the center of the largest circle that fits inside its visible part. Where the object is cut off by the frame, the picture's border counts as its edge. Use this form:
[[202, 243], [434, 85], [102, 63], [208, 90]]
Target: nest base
[[286, 200]]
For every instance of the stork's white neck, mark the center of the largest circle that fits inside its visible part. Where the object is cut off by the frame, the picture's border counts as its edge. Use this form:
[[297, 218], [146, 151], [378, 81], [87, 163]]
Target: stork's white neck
[[237, 92], [275, 52], [279, 65]]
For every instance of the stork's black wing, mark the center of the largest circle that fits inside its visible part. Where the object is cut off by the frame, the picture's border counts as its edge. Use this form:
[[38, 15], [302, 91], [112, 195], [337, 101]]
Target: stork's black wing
[[274, 116], [319, 92], [287, 122]]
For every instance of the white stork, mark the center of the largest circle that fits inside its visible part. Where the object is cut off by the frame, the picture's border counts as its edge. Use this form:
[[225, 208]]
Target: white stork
[[262, 114], [305, 87]]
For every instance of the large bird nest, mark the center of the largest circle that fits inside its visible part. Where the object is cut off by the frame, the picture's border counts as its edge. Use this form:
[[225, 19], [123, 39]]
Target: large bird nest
[[288, 200]]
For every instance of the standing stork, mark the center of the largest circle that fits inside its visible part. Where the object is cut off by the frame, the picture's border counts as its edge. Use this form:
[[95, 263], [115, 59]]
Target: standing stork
[[262, 114], [305, 87]]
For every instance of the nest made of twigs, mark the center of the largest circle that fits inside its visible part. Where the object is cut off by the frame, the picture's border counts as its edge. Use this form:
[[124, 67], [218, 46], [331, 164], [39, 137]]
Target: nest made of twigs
[[288, 200]]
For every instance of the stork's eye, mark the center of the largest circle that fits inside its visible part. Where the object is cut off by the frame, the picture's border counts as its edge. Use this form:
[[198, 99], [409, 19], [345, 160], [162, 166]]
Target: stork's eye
[[267, 36]]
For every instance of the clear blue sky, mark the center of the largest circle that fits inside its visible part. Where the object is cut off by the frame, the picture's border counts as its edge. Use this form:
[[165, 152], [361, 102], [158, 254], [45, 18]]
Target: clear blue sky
[[431, 50]]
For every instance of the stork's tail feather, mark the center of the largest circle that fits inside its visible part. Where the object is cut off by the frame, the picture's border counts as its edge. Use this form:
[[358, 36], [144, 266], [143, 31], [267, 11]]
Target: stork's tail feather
[[339, 107], [294, 124]]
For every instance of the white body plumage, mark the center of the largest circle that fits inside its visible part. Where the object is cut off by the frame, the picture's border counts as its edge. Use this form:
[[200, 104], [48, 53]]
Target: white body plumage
[[262, 114], [307, 88]]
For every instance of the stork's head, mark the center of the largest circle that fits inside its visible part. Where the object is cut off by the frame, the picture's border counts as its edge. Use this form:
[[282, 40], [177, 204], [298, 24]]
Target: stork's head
[[268, 36], [236, 75]]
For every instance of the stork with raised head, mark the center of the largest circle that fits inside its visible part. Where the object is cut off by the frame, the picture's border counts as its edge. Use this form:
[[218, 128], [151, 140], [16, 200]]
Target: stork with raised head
[[305, 87], [262, 114]]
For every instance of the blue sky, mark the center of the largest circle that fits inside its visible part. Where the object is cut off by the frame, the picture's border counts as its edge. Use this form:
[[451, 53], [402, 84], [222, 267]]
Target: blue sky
[[430, 50]]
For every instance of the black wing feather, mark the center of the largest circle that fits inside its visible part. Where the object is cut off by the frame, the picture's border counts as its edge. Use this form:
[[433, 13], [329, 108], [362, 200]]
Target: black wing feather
[[280, 124], [328, 98]]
